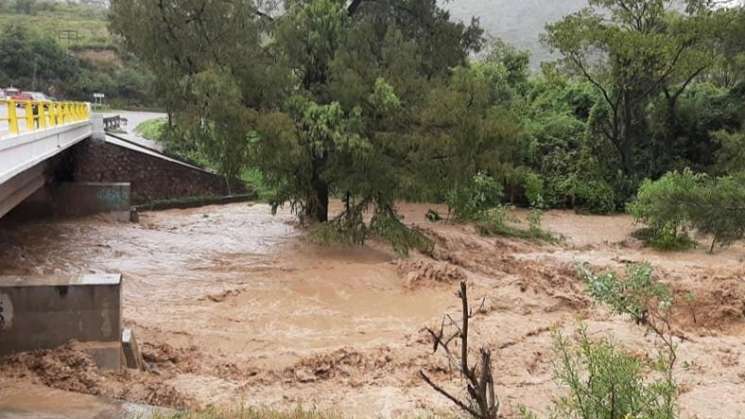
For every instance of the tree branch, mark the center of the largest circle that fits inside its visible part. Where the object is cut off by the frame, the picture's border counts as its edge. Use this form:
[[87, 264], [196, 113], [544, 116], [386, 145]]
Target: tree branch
[[448, 395]]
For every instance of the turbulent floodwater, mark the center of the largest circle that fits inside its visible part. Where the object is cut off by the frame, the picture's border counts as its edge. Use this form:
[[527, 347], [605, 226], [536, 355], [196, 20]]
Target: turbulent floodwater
[[294, 297], [230, 303]]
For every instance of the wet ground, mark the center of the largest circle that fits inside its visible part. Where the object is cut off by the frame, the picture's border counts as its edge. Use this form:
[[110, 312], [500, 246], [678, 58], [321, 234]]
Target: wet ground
[[231, 303]]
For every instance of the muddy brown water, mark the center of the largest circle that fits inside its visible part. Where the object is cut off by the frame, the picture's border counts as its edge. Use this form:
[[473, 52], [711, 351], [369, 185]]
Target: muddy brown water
[[232, 303], [180, 265]]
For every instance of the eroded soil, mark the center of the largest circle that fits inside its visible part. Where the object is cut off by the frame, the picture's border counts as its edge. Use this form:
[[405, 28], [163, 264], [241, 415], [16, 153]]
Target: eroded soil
[[230, 304]]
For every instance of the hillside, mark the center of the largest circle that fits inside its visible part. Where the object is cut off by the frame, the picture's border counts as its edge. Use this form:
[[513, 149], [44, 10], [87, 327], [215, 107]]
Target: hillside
[[74, 26], [519, 22]]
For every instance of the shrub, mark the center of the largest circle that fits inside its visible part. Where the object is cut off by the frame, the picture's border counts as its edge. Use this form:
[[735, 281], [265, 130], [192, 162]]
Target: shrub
[[661, 204], [605, 382], [718, 209], [494, 223], [641, 296], [534, 187], [635, 294], [682, 201], [595, 197], [470, 201], [152, 129], [402, 238]]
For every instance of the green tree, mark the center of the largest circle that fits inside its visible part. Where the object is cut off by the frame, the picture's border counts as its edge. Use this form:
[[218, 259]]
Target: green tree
[[467, 128], [213, 71], [680, 202], [34, 62], [731, 155], [662, 205], [631, 52], [333, 85], [26, 7]]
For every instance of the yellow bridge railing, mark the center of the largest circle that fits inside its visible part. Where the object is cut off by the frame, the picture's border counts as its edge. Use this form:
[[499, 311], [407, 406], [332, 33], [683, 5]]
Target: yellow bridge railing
[[25, 116]]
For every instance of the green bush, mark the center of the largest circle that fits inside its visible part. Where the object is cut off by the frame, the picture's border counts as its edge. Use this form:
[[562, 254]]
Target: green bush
[[387, 226], [152, 129], [534, 187], [606, 382], [683, 201], [494, 222], [634, 294], [717, 208], [662, 205], [470, 201], [594, 196]]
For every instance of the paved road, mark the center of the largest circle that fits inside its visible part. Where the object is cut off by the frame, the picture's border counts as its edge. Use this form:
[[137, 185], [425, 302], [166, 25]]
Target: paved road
[[133, 120]]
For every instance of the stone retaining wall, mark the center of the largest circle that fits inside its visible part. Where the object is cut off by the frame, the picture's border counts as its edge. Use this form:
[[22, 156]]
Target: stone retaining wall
[[152, 177]]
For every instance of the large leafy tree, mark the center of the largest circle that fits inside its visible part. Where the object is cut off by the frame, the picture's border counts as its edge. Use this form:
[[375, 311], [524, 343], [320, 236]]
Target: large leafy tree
[[321, 93], [213, 71], [633, 51], [374, 60]]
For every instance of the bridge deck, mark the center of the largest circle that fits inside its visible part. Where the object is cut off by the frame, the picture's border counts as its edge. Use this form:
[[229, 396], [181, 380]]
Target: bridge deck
[[30, 134]]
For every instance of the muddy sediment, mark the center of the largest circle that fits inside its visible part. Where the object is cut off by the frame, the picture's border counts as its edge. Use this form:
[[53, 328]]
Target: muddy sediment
[[229, 303]]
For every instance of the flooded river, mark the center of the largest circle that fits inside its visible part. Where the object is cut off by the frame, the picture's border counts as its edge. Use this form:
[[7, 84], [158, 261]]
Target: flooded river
[[230, 278], [231, 303]]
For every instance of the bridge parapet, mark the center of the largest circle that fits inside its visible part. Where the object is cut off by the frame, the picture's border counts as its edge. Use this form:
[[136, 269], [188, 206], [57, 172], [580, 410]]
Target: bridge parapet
[[23, 117], [114, 123]]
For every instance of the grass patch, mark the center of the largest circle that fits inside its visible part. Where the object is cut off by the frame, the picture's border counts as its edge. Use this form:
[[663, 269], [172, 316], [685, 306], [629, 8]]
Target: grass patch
[[152, 129], [505, 230], [67, 25], [495, 222]]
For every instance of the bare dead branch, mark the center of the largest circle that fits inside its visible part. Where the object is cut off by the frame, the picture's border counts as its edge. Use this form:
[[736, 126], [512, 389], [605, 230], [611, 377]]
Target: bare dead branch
[[479, 380]]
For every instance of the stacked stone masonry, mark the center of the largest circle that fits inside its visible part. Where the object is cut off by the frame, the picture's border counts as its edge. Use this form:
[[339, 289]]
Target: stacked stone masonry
[[152, 178]]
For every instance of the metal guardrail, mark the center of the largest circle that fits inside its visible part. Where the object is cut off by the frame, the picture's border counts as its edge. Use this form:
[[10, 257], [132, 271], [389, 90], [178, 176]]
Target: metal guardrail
[[31, 115], [113, 123]]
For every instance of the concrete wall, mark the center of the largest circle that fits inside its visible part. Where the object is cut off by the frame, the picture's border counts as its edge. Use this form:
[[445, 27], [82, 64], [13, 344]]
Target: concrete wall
[[85, 198], [44, 313], [152, 177]]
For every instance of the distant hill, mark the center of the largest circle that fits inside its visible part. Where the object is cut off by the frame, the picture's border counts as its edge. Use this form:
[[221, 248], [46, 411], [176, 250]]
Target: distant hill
[[519, 22], [76, 24]]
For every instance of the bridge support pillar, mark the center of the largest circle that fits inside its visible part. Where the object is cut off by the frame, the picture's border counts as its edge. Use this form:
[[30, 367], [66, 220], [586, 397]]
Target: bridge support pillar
[[99, 131], [46, 312], [86, 198]]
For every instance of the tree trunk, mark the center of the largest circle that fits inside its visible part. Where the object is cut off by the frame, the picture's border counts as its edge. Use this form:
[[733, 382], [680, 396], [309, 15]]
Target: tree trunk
[[713, 244], [317, 205]]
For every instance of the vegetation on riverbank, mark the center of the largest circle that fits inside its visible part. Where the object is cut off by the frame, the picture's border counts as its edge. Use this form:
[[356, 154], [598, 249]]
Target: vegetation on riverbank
[[403, 123], [65, 50]]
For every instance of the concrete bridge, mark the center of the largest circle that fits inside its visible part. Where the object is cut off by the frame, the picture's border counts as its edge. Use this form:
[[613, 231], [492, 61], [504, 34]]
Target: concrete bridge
[[31, 133], [63, 158]]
